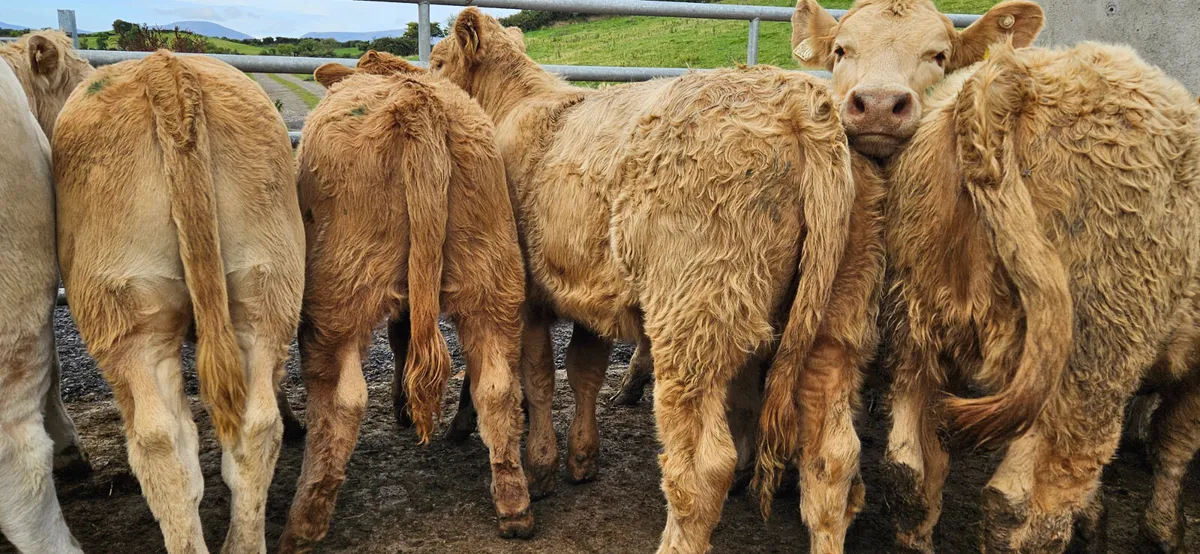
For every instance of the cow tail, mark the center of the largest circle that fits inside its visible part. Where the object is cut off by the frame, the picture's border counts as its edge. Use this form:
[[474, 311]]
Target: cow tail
[[176, 102], [986, 115], [827, 189], [425, 168]]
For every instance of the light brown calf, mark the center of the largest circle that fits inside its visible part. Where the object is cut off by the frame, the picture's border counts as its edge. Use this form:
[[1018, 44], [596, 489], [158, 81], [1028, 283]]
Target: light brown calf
[[406, 210], [48, 70], [177, 208], [1044, 245], [676, 209], [36, 435]]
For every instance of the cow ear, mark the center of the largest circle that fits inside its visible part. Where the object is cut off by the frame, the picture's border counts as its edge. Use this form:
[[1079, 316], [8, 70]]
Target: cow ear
[[466, 30], [331, 73], [43, 55], [515, 33], [1016, 20], [812, 35]]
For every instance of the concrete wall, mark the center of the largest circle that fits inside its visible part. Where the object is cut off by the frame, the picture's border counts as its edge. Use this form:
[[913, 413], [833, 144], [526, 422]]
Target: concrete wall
[[1165, 32]]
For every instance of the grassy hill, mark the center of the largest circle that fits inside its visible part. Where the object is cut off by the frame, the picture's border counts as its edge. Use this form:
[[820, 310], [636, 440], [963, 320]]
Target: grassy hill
[[672, 42], [90, 41]]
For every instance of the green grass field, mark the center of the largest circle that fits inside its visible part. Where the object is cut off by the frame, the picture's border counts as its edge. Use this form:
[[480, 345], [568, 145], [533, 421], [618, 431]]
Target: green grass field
[[675, 42], [90, 41], [309, 98]]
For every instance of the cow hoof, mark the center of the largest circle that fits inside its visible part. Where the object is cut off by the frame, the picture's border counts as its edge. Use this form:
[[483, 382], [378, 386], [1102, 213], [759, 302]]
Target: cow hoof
[[542, 480], [460, 429], [403, 419], [71, 465], [582, 468], [628, 396], [519, 526]]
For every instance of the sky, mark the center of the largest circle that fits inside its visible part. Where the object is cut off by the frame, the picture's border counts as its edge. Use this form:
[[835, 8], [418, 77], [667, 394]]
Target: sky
[[259, 18]]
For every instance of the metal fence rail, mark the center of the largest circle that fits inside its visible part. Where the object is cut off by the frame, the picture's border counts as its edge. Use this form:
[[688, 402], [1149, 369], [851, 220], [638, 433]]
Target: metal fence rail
[[753, 14]]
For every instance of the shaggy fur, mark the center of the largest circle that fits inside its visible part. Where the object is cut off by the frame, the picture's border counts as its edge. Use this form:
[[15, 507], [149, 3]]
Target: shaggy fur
[[48, 70], [177, 209], [406, 211], [29, 514], [1042, 234], [676, 208], [884, 54]]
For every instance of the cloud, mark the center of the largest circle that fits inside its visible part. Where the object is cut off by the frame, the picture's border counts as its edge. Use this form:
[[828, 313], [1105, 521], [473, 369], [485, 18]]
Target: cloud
[[208, 13]]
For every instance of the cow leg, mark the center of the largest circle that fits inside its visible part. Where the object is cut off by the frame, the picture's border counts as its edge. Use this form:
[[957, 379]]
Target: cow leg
[[30, 517], [637, 376], [70, 460], [493, 385], [248, 467], [745, 405], [537, 376], [1031, 503], [916, 462], [698, 457], [465, 419], [147, 381], [1176, 438], [337, 399], [586, 361], [399, 333], [831, 489], [293, 430]]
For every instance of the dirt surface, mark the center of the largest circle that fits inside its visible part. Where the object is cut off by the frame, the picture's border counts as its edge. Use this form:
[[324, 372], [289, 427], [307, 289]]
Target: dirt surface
[[311, 86], [400, 497]]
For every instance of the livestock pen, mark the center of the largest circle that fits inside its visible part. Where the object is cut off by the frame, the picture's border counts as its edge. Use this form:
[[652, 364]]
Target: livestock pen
[[403, 497]]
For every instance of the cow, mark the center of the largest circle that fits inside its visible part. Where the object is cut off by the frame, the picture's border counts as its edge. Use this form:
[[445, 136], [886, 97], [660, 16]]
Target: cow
[[406, 211], [47, 70], [177, 214], [712, 224], [916, 457], [39, 437]]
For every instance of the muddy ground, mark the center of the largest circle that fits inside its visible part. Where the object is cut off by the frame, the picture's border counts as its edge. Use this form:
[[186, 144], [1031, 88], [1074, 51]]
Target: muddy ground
[[400, 497]]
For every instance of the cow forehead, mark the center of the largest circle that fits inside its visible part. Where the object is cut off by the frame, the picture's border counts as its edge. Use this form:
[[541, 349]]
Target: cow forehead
[[877, 23]]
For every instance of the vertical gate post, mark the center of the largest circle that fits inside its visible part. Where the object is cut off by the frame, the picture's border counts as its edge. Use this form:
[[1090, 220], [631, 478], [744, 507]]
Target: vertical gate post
[[423, 30], [66, 24], [752, 43]]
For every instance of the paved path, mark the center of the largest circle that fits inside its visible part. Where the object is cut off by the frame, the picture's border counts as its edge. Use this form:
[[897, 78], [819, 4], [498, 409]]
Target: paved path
[[311, 86], [294, 109]]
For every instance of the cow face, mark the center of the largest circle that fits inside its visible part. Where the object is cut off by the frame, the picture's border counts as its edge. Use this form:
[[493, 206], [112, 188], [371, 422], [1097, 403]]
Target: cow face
[[885, 53], [49, 70], [477, 41]]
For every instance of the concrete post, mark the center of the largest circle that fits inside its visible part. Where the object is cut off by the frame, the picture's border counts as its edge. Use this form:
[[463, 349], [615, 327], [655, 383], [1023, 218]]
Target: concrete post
[[1165, 33], [66, 24], [423, 31]]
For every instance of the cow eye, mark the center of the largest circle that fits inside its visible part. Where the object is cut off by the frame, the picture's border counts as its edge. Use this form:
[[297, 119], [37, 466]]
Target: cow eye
[[940, 58], [839, 52]]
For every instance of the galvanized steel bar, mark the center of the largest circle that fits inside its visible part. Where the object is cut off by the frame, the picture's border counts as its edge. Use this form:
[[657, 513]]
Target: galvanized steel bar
[[66, 24], [284, 64], [651, 7], [423, 30], [752, 43]]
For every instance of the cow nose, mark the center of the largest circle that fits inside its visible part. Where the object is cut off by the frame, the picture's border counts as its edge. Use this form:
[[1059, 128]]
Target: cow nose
[[880, 105]]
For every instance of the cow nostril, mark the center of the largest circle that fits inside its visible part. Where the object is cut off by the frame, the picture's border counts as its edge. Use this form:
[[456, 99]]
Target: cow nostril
[[901, 106], [859, 107]]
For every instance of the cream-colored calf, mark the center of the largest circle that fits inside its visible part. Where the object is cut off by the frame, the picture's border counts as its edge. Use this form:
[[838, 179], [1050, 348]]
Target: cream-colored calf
[[29, 514], [177, 207]]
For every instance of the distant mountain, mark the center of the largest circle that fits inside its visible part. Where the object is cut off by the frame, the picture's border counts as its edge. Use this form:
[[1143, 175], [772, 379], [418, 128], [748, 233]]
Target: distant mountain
[[343, 37], [206, 28], [4, 25]]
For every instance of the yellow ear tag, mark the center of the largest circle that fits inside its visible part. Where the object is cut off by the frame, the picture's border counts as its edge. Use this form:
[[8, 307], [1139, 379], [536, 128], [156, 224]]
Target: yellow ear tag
[[987, 53], [804, 51], [1008, 21]]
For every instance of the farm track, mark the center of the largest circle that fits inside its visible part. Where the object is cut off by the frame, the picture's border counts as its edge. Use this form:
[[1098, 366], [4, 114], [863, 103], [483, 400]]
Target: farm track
[[294, 109], [400, 497]]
